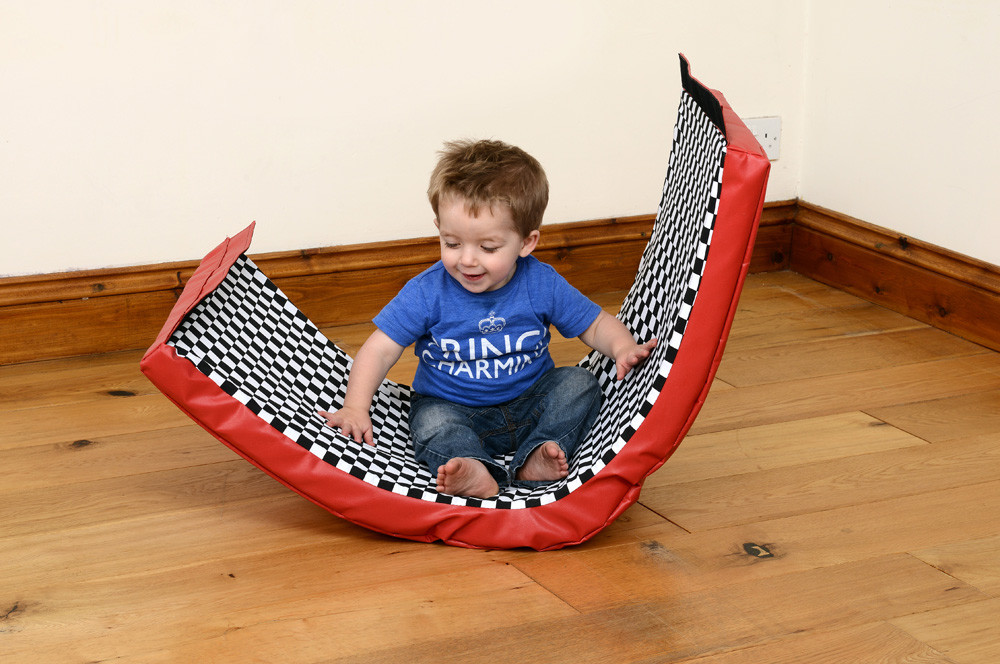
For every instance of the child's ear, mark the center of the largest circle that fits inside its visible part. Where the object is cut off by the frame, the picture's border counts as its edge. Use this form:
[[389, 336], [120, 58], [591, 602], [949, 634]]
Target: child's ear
[[529, 243]]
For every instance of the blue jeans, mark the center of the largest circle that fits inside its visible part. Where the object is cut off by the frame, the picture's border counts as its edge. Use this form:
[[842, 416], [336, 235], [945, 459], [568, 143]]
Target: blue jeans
[[561, 406]]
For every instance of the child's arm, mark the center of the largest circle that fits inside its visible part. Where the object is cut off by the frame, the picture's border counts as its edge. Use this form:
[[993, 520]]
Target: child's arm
[[609, 336], [375, 358]]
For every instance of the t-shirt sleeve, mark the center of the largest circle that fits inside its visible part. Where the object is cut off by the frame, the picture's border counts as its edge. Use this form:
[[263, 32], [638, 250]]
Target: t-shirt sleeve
[[406, 317], [570, 311]]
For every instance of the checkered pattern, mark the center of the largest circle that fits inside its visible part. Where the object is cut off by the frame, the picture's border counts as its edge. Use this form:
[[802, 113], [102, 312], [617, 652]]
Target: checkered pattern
[[250, 340], [660, 300]]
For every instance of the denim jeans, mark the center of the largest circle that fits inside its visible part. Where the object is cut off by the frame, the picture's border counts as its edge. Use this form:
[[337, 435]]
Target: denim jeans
[[561, 406]]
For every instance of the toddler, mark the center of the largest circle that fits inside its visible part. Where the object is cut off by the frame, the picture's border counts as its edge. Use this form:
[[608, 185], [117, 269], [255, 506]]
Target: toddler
[[485, 385]]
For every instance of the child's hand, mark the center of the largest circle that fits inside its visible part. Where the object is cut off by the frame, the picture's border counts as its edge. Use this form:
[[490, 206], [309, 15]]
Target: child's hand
[[632, 356], [352, 423]]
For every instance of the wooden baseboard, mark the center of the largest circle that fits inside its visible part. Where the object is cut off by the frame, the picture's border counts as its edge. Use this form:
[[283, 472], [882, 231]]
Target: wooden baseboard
[[773, 246], [931, 284], [97, 311]]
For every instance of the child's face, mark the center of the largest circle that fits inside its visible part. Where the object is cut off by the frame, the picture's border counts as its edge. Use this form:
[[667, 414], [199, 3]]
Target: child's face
[[480, 252]]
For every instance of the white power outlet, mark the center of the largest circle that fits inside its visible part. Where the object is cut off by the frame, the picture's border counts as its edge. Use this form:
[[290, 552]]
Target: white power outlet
[[767, 131]]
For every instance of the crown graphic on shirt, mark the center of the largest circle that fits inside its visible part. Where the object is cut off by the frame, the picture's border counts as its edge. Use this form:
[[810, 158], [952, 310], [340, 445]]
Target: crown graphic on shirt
[[492, 323]]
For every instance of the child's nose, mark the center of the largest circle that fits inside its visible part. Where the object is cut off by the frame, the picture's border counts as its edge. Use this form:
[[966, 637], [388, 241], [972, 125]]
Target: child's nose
[[468, 257]]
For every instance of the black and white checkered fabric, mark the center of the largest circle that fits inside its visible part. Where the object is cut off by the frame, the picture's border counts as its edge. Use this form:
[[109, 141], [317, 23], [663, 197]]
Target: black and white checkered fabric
[[660, 300], [259, 348]]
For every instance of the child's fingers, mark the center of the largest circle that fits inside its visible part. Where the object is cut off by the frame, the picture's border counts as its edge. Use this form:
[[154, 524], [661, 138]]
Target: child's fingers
[[636, 357], [358, 432], [623, 367], [330, 418]]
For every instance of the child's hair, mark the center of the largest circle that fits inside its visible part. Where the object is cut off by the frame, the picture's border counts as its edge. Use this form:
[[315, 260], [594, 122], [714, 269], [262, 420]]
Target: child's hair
[[485, 173]]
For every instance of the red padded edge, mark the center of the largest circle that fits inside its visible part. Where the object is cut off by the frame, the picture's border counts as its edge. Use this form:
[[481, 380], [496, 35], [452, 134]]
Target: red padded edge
[[209, 274], [570, 520]]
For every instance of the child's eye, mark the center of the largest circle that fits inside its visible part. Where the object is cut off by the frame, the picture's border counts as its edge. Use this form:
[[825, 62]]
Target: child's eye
[[451, 245], [491, 250]]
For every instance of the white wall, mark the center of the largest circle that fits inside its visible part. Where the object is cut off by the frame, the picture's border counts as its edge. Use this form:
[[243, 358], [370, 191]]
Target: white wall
[[135, 133], [140, 132], [900, 115]]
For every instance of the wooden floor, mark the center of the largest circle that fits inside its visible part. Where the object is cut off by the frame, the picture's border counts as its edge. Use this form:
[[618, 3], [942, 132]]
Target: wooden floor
[[838, 501]]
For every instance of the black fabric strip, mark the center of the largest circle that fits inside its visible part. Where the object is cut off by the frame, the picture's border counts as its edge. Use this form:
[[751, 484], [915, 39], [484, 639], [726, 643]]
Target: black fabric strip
[[702, 96]]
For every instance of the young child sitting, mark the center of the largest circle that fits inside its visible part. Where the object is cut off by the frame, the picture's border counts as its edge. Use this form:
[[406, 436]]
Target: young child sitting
[[485, 385]]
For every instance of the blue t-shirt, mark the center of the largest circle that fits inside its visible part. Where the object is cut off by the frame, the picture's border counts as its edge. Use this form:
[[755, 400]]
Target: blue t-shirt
[[482, 349]]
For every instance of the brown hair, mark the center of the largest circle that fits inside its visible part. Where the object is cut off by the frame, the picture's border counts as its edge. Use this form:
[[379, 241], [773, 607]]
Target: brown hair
[[485, 173]]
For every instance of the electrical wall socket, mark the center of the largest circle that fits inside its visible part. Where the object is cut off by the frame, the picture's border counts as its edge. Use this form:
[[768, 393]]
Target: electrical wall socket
[[767, 131]]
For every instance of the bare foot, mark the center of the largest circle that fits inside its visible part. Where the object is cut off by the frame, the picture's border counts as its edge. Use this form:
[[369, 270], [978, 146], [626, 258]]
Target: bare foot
[[462, 476], [546, 464]]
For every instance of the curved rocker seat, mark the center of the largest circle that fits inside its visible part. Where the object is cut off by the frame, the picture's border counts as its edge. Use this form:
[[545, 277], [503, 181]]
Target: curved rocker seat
[[245, 364]]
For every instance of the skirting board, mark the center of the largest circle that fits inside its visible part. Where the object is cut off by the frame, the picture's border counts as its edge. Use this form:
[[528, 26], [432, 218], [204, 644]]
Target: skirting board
[[79, 313], [931, 284], [96, 311]]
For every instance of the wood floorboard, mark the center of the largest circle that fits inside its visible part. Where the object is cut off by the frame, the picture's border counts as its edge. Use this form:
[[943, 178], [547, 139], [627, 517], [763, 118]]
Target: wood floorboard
[[964, 633], [121, 498], [81, 379], [680, 626], [837, 500], [875, 643], [776, 364], [782, 293], [765, 330], [769, 446], [949, 418], [87, 420], [234, 605], [972, 561], [816, 487], [105, 457], [841, 393], [654, 561], [781, 308]]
